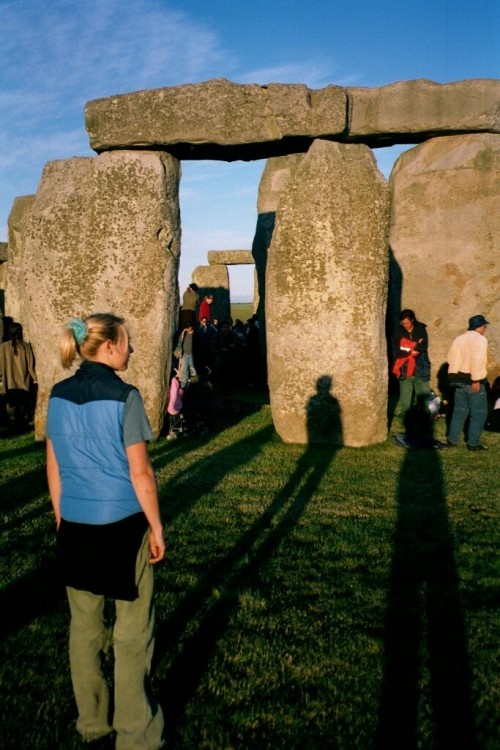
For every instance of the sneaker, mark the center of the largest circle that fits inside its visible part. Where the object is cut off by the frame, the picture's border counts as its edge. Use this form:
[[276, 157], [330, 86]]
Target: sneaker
[[478, 447], [450, 445]]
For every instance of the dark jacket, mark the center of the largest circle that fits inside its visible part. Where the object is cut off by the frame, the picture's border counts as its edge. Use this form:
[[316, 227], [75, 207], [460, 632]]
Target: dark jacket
[[419, 334]]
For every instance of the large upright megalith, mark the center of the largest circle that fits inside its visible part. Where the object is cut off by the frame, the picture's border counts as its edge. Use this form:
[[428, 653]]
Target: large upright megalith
[[102, 235], [214, 280], [445, 236], [326, 293], [274, 179], [16, 303]]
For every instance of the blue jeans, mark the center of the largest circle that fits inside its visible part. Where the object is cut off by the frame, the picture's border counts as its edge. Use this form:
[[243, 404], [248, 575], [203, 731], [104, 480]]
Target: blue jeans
[[138, 720], [468, 404], [186, 369]]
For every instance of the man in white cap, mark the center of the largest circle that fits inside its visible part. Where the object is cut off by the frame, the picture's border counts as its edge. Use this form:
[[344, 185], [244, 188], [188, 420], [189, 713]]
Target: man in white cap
[[467, 361]]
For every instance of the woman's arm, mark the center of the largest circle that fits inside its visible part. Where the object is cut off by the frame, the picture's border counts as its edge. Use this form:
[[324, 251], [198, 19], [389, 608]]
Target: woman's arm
[[54, 482], [144, 483]]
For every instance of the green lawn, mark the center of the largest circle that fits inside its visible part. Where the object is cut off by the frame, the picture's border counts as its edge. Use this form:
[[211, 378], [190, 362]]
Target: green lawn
[[242, 311], [313, 597]]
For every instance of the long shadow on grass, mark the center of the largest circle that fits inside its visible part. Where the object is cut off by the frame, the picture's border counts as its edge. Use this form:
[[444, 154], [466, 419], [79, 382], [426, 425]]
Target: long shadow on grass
[[36, 593], [23, 489], [201, 476], [425, 638], [238, 571]]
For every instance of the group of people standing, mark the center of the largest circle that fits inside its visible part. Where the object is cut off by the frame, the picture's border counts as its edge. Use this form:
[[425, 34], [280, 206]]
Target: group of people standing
[[105, 499], [467, 376], [228, 352]]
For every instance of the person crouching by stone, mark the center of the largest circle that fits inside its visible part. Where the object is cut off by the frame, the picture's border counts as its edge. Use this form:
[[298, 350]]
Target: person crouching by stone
[[109, 531], [185, 347], [467, 360], [190, 300], [411, 361]]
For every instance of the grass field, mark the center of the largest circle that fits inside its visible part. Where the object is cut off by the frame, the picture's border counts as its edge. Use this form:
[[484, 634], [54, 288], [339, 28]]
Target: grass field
[[242, 311], [313, 597]]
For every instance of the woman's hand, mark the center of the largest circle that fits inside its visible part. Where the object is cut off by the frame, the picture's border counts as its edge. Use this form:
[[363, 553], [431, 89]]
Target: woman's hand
[[157, 546]]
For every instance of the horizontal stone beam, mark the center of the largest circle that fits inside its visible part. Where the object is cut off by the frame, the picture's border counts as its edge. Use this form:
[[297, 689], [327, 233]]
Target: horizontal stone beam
[[230, 257], [411, 111], [221, 120], [217, 119]]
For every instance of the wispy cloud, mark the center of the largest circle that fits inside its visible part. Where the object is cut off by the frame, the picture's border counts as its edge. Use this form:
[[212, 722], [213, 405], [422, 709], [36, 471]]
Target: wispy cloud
[[55, 56], [92, 49], [312, 73]]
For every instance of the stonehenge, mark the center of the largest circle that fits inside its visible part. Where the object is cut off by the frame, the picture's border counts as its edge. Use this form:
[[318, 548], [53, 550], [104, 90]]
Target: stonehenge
[[336, 248], [325, 323], [223, 120], [82, 235], [445, 237], [214, 279]]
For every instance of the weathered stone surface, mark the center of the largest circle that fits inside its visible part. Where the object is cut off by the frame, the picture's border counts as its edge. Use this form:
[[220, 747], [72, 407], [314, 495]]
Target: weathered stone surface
[[412, 111], [4, 251], [274, 180], [445, 236], [217, 119], [102, 235], [325, 300], [230, 257], [214, 280], [16, 302]]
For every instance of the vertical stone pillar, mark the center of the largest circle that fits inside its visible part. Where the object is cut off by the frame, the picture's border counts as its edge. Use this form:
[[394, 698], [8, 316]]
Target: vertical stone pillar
[[15, 301], [103, 235], [445, 236], [326, 291], [214, 280], [275, 177]]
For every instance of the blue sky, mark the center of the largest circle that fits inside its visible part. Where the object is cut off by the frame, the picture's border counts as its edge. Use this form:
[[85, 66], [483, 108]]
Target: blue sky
[[57, 55]]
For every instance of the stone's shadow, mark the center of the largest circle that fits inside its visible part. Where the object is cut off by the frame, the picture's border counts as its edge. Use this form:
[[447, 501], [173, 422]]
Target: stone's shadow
[[426, 658], [394, 293], [260, 247], [180, 494], [243, 568], [37, 593], [324, 420]]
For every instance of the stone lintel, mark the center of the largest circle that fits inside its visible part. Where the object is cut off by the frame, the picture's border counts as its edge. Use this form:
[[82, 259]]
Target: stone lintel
[[230, 258], [414, 111], [217, 119], [227, 121]]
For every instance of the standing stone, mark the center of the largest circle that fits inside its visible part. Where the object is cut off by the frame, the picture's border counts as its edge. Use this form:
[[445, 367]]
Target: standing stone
[[445, 236], [103, 235], [214, 280], [16, 304], [275, 177], [325, 300]]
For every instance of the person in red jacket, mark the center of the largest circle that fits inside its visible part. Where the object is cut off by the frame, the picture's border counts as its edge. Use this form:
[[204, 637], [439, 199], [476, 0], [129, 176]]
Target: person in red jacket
[[204, 310], [410, 361]]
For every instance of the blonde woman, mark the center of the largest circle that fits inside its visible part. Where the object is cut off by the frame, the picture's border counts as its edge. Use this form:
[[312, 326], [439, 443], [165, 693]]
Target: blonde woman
[[109, 531]]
